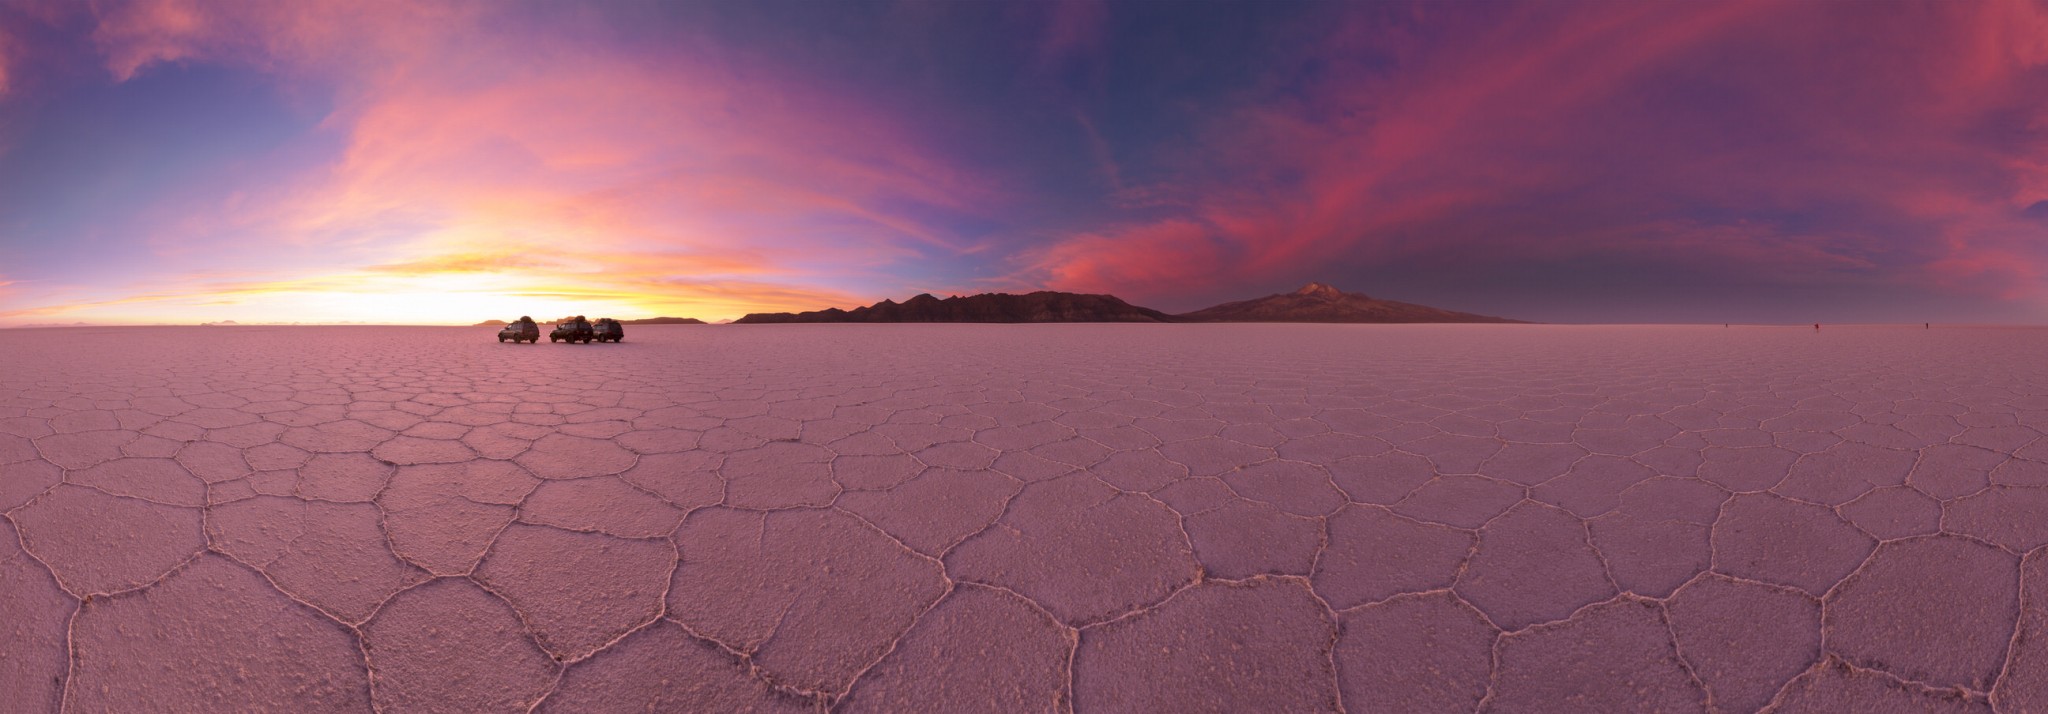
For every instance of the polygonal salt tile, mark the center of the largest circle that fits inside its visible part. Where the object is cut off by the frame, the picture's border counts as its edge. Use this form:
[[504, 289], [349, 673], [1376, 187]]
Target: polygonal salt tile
[[574, 457], [1020, 438], [1894, 512], [1081, 549], [869, 472], [604, 504], [1374, 555], [2024, 686], [918, 437], [340, 562], [1938, 610], [1616, 657], [1533, 565], [2012, 517], [1077, 452], [1459, 500], [345, 435], [1841, 474], [78, 450], [1329, 447], [1531, 464], [1415, 653], [1948, 471], [1455, 454], [1302, 489], [21, 481], [1686, 500], [1649, 556], [1764, 537], [578, 591], [978, 648], [1832, 686], [1745, 640], [937, 509], [213, 637], [687, 480], [275, 457], [1593, 486], [1213, 456], [449, 646], [247, 436], [214, 462], [100, 543], [739, 583], [1384, 479], [1171, 430], [1139, 470], [343, 477], [959, 455], [643, 442], [661, 667], [436, 430], [36, 629], [1277, 634], [16, 449], [1242, 539], [1746, 469], [1122, 438], [779, 475], [1638, 434], [1255, 434], [442, 518], [157, 480], [409, 450]]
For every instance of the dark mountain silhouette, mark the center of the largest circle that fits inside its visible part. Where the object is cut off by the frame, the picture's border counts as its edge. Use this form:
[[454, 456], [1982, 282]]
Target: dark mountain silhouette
[[1042, 306], [1316, 302], [663, 321]]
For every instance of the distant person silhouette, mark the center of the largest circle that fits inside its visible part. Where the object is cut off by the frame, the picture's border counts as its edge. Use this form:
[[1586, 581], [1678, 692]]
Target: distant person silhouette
[[1816, 327]]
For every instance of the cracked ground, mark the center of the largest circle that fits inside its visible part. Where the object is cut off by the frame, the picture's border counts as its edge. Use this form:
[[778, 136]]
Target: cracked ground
[[1097, 518]]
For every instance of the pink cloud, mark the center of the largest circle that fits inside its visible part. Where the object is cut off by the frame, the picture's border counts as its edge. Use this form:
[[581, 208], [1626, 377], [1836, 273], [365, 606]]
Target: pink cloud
[[1505, 135], [473, 146]]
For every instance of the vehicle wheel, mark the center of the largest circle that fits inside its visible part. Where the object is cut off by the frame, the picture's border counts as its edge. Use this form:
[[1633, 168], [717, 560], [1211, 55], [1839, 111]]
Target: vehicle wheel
[[501, 339]]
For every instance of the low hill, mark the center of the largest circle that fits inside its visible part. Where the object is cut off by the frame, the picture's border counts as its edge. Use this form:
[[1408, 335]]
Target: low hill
[[663, 321], [1042, 306], [1316, 302]]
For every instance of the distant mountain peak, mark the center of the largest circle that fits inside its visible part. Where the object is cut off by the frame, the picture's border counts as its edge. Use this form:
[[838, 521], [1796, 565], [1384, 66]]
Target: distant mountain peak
[[1319, 302], [1319, 290]]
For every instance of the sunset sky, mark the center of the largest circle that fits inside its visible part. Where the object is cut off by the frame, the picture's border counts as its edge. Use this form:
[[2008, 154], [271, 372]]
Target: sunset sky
[[449, 162]]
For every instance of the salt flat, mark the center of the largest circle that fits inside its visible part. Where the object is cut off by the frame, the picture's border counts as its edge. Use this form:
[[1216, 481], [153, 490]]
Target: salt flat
[[1019, 518]]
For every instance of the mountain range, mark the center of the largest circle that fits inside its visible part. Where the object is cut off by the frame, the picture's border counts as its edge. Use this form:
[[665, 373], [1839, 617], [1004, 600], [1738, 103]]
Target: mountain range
[[1314, 302], [1041, 306]]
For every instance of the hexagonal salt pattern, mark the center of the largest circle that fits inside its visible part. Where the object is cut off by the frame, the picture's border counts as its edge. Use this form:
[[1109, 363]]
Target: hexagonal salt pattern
[[1025, 518]]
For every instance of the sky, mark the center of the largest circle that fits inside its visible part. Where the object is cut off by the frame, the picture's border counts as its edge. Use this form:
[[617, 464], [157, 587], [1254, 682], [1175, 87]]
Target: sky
[[177, 161]]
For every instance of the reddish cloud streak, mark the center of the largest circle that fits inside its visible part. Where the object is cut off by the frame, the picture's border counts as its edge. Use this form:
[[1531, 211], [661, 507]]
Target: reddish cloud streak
[[1547, 134]]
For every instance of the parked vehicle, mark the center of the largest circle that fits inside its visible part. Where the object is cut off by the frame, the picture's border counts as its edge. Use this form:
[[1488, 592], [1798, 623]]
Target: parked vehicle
[[520, 331], [609, 330], [572, 331]]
